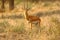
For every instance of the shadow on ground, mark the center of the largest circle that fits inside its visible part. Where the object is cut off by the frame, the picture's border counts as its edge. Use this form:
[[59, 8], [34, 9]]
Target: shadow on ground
[[12, 17], [48, 13], [39, 14]]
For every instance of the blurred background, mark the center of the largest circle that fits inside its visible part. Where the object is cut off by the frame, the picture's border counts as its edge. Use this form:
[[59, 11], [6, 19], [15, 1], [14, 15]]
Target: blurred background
[[14, 26]]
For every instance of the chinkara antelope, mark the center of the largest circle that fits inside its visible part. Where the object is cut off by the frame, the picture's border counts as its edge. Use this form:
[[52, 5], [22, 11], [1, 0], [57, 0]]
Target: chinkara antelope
[[31, 18]]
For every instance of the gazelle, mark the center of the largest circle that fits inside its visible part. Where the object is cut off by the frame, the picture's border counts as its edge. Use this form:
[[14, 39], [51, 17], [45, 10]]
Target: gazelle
[[31, 18]]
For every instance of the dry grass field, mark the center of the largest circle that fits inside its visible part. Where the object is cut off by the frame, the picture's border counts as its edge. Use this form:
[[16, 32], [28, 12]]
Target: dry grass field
[[14, 26]]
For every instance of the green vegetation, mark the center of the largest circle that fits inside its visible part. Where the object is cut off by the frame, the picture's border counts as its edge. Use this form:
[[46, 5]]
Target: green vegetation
[[18, 1], [47, 4], [19, 29], [3, 26]]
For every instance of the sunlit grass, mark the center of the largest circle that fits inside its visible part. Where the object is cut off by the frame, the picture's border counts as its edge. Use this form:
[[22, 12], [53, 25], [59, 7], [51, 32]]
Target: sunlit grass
[[55, 28], [19, 29], [52, 33], [3, 26]]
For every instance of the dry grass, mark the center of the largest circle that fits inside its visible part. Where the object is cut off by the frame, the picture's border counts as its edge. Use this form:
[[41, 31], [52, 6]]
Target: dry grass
[[14, 26]]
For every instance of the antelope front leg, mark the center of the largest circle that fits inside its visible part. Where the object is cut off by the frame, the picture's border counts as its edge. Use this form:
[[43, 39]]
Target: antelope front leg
[[39, 23], [31, 25]]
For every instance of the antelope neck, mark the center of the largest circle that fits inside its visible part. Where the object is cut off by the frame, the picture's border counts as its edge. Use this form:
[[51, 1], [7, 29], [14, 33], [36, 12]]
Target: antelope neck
[[26, 14]]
